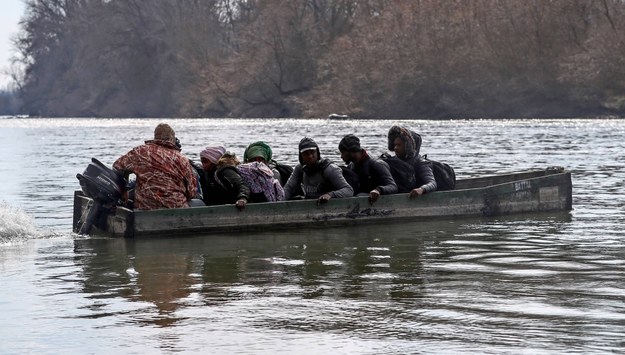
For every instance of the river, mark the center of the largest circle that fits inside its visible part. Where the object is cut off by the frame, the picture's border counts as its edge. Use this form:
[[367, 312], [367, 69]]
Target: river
[[538, 283]]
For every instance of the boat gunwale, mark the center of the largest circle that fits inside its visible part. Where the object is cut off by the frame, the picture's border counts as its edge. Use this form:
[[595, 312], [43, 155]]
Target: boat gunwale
[[134, 220]]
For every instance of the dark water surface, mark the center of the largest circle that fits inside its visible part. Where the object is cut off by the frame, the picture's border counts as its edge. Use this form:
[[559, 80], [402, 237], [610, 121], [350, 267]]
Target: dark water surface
[[538, 283]]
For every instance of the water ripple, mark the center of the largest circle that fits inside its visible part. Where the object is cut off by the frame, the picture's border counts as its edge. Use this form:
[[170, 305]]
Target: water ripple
[[537, 283]]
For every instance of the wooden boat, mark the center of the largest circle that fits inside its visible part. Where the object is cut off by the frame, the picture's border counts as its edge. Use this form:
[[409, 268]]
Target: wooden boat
[[498, 195]]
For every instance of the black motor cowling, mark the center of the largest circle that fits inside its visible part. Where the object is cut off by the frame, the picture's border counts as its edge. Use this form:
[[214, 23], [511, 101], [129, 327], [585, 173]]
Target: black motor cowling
[[104, 186], [101, 183]]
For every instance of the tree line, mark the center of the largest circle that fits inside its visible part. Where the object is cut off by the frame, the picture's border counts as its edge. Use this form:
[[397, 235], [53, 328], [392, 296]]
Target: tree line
[[309, 58]]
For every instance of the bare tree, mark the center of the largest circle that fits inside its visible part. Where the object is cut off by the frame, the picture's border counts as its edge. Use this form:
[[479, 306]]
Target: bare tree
[[375, 58]]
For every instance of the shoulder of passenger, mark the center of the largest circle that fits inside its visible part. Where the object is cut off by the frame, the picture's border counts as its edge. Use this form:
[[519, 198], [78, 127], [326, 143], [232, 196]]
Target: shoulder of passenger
[[332, 166]]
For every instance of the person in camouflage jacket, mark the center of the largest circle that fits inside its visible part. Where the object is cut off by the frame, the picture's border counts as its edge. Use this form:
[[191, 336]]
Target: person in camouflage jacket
[[165, 178]]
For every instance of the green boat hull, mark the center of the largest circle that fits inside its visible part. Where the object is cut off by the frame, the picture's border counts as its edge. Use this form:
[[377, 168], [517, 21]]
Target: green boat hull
[[545, 190]]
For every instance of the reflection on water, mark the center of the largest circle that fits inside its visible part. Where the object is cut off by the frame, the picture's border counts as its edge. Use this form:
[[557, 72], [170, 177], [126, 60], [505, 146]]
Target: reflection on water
[[539, 283], [336, 263], [426, 282]]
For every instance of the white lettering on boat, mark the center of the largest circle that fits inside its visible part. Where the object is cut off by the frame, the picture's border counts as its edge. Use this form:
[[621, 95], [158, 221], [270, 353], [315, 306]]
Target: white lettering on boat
[[521, 195], [522, 185]]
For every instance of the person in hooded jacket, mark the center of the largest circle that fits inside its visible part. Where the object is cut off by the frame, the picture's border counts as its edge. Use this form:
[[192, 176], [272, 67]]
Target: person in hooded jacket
[[374, 175], [406, 145], [236, 191], [316, 178]]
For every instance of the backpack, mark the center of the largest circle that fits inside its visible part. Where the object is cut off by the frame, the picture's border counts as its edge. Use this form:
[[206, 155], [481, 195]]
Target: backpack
[[284, 170], [444, 175], [402, 172], [260, 179], [351, 177]]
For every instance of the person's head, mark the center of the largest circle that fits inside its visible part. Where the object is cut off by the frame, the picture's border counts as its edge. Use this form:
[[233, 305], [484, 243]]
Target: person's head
[[228, 159], [399, 147], [405, 143], [350, 148], [163, 132], [309, 152], [210, 156], [258, 151]]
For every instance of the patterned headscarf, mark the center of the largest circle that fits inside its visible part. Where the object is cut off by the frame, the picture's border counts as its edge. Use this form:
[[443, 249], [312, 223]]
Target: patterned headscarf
[[259, 178], [257, 149], [213, 153]]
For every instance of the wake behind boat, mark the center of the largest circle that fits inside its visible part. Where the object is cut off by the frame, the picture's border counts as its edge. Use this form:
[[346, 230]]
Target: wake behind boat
[[497, 195]]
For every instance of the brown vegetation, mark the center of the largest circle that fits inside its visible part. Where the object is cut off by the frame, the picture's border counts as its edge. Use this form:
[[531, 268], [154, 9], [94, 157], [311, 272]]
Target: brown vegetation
[[309, 58]]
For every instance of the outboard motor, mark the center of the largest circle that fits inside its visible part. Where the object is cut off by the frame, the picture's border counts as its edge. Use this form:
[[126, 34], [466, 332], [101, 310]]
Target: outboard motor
[[104, 186]]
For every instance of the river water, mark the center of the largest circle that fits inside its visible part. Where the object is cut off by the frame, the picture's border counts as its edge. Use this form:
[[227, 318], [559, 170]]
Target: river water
[[539, 283]]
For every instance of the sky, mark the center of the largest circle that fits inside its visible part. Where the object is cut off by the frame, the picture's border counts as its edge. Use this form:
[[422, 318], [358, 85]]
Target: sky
[[11, 11]]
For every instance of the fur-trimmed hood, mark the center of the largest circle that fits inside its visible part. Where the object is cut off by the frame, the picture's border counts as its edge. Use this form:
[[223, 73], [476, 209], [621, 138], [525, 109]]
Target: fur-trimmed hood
[[411, 139]]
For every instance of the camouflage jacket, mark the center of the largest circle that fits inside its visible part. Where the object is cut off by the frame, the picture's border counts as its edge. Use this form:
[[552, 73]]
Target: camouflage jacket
[[165, 178]]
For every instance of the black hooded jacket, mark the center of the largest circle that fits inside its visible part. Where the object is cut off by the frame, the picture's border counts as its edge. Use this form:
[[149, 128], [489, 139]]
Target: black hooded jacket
[[373, 174], [412, 143]]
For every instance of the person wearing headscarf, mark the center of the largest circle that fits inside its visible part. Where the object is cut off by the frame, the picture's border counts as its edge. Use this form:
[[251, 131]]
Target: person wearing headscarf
[[314, 177], [406, 144], [209, 156], [261, 152], [258, 151], [374, 175], [164, 176], [248, 182], [212, 192]]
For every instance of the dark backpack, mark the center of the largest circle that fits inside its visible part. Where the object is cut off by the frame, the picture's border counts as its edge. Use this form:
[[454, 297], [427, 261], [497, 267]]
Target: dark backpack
[[444, 175], [402, 172], [284, 170], [351, 177]]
